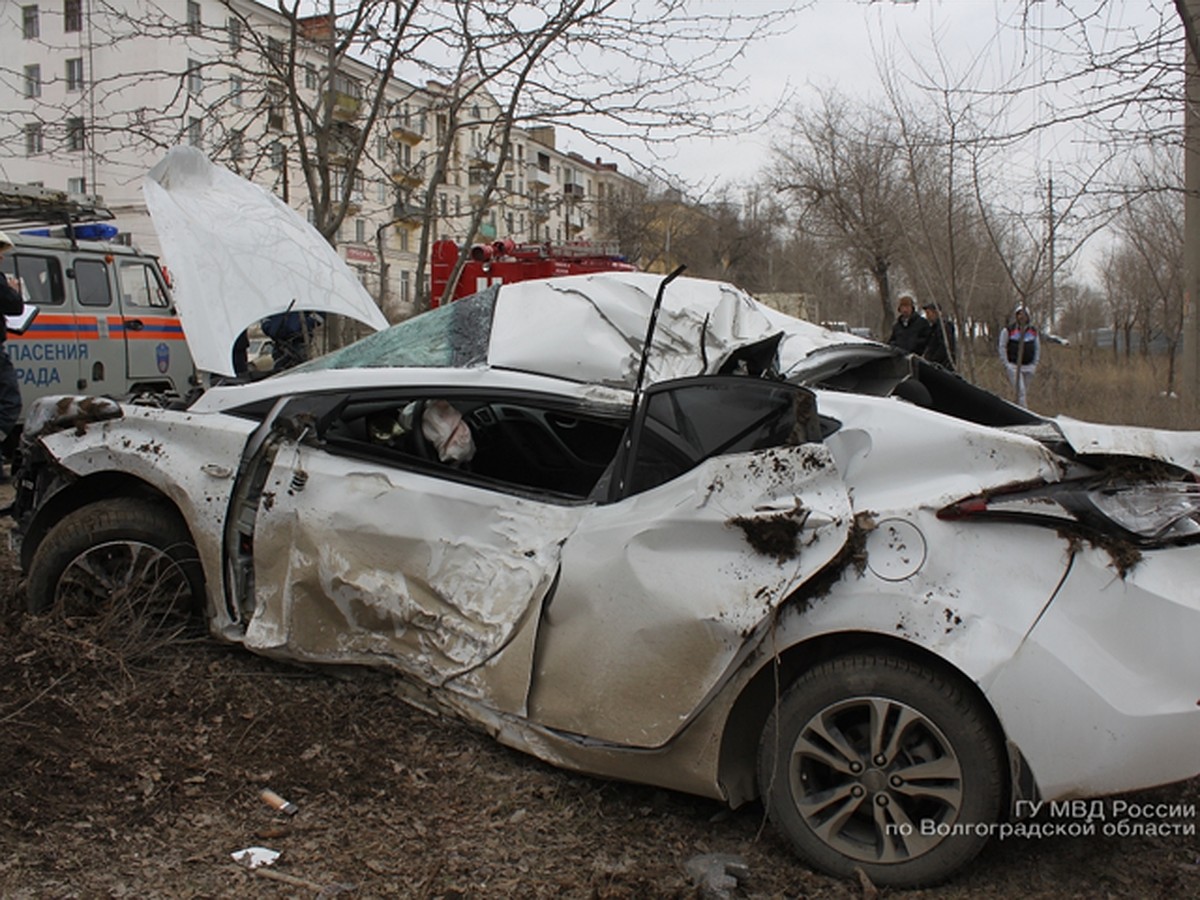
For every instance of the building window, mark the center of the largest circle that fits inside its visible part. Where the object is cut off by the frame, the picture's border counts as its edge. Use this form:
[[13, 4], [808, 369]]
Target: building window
[[381, 191], [360, 230], [72, 15], [404, 240], [75, 134], [33, 81], [195, 78], [310, 77], [275, 52], [235, 90], [194, 131], [276, 155], [234, 27], [404, 286], [29, 22], [33, 138], [75, 74], [193, 18], [77, 185], [236, 145]]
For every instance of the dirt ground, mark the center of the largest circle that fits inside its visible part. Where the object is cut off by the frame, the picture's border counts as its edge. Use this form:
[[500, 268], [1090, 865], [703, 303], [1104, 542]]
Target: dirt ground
[[122, 777]]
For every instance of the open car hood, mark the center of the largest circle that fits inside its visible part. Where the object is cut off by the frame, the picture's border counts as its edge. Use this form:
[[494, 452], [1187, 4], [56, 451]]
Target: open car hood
[[239, 254]]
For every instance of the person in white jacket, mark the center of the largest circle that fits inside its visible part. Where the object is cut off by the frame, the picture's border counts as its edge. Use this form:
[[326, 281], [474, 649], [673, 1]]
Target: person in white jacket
[[1020, 349]]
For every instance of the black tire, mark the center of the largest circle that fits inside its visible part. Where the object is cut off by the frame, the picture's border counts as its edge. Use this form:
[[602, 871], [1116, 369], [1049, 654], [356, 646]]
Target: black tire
[[127, 565], [910, 805]]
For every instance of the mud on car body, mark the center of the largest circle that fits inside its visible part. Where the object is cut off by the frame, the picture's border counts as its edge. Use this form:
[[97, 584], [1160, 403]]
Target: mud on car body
[[798, 567]]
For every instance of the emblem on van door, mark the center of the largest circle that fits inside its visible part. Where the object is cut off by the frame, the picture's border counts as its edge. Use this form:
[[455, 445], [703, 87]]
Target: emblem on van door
[[162, 354]]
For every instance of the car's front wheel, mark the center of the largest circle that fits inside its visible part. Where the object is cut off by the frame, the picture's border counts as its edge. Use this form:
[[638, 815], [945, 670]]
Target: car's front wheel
[[128, 566], [873, 761]]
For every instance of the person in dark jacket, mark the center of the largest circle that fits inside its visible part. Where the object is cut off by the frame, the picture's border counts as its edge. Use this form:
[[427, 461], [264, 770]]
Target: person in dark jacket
[[291, 334], [11, 304], [942, 347], [910, 332], [1020, 348]]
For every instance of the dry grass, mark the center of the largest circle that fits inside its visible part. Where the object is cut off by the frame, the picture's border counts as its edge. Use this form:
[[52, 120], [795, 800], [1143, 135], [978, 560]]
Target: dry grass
[[1086, 383]]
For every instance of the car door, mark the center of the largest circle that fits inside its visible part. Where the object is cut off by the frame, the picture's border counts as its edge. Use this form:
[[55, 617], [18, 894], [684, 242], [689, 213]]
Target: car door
[[725, 505], [366, 549], [155, 349]]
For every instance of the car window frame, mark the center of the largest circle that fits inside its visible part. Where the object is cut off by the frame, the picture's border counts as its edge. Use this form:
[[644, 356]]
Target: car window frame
[[623, 484], [324, 410]]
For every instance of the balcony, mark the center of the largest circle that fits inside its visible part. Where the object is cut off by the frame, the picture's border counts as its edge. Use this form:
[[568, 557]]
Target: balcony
[[346, 107], [484, 159], [355, 204], [539, 212], [574, 191], [405, 133], [539, 180], [407, 177], [408, 216]]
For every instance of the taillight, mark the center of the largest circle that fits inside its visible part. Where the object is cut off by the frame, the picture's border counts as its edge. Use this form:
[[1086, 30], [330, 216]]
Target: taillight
[[1146, 512]]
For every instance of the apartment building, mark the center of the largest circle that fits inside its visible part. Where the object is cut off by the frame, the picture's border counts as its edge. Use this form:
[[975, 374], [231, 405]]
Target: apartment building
[[95, 92]]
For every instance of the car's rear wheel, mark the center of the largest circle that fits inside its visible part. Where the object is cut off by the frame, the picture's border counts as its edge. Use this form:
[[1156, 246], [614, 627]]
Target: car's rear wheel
[[872, 761], [127, 566]]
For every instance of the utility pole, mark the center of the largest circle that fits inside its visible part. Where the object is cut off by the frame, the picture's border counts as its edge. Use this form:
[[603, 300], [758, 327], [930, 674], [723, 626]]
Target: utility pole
[[1050, 227]]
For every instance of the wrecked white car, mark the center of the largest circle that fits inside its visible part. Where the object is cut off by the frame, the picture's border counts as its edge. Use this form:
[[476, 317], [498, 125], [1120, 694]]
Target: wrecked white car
[[890, 620], [746, 558]]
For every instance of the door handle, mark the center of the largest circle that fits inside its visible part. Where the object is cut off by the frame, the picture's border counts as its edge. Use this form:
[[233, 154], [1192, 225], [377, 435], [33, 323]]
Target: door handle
[[134, 324]]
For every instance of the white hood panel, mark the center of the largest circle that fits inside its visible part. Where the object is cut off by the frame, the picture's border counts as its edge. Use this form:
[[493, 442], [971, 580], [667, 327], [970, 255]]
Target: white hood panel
[[240, 254]]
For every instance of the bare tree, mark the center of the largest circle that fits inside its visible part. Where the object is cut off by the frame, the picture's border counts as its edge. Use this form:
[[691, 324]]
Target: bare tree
[[1149, 258], [845, 170]]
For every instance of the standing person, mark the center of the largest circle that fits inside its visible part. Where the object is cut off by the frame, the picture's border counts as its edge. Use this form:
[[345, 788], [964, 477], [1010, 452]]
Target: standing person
[[1020, 350], [942, 347], [290, 334], [11, 304], [911, 331]]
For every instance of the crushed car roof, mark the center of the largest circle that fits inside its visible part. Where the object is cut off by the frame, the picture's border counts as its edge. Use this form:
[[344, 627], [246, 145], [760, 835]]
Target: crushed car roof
[[589, 329]]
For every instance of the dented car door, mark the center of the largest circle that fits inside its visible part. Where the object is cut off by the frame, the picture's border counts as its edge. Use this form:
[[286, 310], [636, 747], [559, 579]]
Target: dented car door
[[728, 504], [362, 559]]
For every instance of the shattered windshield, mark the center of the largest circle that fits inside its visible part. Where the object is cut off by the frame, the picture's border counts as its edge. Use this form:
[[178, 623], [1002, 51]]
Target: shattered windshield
[[452, 336]]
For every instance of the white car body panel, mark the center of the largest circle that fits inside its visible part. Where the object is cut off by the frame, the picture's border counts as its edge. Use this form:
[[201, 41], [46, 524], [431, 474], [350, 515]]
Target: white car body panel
[[1181, 448], [197, 473], [629, 614], [1113, 665]]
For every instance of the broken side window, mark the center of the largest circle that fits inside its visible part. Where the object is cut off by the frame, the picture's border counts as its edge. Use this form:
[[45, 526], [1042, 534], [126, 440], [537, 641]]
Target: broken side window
[[684, 424]]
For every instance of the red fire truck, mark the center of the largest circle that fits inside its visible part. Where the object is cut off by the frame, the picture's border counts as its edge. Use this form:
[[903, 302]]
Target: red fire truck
[[504, 261]]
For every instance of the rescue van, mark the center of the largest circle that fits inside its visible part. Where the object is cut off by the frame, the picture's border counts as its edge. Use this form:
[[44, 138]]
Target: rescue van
[[105, 322]]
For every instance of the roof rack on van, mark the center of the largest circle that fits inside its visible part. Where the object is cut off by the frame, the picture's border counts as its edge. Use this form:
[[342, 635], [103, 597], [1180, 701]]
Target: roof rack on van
[[27, 204]]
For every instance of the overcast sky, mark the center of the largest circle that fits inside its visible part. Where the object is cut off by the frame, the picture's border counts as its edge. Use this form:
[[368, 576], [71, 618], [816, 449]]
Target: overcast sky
[[841, 44]]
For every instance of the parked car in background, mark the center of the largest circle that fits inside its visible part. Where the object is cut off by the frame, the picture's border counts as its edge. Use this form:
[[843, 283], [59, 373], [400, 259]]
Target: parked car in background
[[258, 355]]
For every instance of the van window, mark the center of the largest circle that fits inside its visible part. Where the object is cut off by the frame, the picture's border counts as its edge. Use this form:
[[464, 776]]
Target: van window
[[91, 283], [140, 285], [41, 277]]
